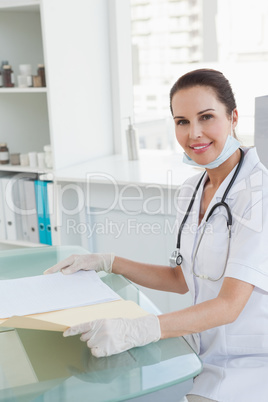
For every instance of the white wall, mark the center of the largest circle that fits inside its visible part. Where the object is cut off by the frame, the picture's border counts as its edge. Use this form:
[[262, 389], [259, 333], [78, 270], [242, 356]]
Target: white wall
[[76, 50]]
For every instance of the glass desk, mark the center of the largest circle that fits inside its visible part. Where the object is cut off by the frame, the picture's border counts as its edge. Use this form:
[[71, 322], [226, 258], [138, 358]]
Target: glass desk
[[43, 366]]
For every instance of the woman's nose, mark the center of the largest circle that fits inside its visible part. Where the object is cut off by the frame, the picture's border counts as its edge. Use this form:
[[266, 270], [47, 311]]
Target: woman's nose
[[194, 131]]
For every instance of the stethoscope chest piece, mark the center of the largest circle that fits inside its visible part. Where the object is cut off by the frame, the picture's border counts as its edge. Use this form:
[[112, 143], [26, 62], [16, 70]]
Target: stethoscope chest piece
[[175, 258]]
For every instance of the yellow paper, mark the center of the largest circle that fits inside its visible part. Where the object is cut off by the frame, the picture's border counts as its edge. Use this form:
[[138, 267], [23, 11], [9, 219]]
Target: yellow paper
[[63, 319]]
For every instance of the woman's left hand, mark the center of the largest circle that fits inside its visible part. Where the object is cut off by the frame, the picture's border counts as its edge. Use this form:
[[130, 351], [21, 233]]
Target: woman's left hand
[[107, 337]]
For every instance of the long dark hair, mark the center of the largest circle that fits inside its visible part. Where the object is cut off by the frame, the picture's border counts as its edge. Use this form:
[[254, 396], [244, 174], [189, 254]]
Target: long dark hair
[[208, 78]]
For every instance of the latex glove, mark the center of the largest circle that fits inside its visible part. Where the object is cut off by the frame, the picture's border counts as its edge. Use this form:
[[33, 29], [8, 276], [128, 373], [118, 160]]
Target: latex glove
[[111, 336], [86, 262]]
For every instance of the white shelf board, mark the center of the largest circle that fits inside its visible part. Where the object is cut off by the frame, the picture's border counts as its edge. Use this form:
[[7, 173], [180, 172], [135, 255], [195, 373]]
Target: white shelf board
[[164, 168], [19, 5], [26, 169], [16, 90]]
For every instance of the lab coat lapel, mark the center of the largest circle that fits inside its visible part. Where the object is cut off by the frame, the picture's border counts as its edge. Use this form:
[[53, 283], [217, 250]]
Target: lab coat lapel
[[194, 221]]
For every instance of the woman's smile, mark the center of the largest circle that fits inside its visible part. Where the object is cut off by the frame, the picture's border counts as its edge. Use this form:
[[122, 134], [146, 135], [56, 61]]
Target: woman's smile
[[199, 148]]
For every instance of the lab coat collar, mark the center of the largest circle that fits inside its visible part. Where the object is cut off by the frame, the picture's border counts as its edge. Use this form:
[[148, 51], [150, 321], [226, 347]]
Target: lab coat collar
[[251, 159]]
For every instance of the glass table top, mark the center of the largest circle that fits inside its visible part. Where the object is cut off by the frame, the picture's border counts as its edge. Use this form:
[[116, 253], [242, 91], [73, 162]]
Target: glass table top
[[44, 366]]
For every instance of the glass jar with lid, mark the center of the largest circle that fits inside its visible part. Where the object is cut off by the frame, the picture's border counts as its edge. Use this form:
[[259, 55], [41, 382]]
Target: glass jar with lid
[[8, 76], [4, 153], [48, 156], [41, 73]]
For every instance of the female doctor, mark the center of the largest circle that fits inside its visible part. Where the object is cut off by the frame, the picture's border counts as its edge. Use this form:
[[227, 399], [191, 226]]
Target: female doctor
[[221, 255]]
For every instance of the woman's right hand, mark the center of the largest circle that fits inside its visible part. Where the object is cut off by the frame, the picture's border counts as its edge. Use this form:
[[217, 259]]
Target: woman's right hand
[[86, 262]]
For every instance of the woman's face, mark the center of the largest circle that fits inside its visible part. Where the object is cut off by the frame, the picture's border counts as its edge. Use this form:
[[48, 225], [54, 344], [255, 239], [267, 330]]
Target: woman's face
[[201, 123]]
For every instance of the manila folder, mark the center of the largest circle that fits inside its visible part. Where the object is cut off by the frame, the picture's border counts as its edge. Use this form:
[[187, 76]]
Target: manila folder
[[62, 319]]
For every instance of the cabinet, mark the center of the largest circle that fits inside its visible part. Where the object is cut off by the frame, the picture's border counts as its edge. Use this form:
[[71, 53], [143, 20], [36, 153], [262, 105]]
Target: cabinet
[[74, 112], [24, 122]]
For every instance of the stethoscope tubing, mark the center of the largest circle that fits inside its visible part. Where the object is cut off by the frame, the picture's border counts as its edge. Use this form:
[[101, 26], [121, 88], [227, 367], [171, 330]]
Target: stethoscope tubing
[[176, 254], [203, 276]]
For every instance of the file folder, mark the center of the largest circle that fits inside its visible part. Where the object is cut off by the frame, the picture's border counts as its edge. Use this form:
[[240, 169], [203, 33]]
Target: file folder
[[23, 213], [47, 215], [40, 206], [53, 213], [31, 209], [63, 319], [56, 302], [9, 212], [2, 215], [43, 212]]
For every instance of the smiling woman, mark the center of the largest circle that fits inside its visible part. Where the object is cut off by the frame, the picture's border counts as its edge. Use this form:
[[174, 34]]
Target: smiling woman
[[206, 134], [226, 273]]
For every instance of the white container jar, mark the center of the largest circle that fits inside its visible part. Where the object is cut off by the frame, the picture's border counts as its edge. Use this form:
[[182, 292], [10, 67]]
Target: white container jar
[[48, 156]]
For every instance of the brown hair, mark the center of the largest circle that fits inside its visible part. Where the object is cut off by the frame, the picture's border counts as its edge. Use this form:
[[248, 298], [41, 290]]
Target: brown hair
[[208, 78]]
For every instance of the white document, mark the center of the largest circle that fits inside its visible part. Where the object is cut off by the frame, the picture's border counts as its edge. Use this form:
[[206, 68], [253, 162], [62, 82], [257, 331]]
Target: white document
[[51, 292]]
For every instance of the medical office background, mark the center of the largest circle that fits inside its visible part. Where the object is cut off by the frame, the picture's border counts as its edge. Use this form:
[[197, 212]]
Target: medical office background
[[108, 62]]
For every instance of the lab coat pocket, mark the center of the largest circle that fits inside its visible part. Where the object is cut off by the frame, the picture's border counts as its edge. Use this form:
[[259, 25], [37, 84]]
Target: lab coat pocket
[[216, 233], [213, 252], [246, 344]]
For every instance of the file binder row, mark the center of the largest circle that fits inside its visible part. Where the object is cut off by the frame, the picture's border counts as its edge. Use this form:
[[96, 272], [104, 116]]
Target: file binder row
[[42, 212], [24, 210]]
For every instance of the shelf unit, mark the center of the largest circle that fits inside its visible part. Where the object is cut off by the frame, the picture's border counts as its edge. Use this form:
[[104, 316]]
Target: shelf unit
[[24, 118], [69, 113], [24, 121]]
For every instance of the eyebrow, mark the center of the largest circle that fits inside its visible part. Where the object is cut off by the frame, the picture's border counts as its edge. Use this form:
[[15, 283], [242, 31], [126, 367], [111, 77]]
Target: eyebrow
[[202, 111]]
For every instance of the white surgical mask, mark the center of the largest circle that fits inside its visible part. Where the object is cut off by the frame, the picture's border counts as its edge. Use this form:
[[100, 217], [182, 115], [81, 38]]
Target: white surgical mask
[[230, 146]]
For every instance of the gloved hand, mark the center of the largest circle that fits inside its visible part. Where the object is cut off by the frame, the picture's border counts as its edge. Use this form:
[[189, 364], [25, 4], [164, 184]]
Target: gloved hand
[[86, 262], [108, 337]]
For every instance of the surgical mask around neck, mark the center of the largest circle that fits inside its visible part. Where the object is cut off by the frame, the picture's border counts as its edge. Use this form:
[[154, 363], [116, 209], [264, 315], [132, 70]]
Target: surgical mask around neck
[[231, 145]]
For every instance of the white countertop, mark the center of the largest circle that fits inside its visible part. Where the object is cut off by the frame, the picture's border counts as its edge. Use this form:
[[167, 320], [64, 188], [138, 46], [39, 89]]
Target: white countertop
[[164, 168]]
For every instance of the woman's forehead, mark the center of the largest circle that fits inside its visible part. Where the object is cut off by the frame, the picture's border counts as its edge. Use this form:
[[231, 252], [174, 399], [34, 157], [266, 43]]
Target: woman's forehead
[[195, 98]]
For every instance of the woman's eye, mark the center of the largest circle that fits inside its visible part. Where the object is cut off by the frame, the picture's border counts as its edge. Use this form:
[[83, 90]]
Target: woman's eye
[[181, 122], [206, 116]]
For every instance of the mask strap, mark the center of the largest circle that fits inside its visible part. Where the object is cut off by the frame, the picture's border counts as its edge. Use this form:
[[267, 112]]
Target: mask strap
[[232, 134]]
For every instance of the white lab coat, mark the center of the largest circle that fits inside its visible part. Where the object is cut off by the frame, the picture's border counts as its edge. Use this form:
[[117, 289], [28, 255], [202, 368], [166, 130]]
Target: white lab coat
[[235, 356]]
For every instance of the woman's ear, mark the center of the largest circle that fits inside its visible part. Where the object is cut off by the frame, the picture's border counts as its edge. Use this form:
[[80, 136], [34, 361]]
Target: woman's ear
[[234, 118]]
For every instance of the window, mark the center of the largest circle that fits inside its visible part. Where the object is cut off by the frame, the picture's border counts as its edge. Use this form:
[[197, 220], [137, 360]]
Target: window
[[170, 38]]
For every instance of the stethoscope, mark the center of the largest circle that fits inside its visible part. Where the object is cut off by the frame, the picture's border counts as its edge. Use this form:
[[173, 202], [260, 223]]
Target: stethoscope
[[176, 257]]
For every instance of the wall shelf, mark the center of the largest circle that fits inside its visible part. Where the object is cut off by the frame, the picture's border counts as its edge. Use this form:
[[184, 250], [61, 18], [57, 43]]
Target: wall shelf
[[19, 5], [17, 90], [25, 169]]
